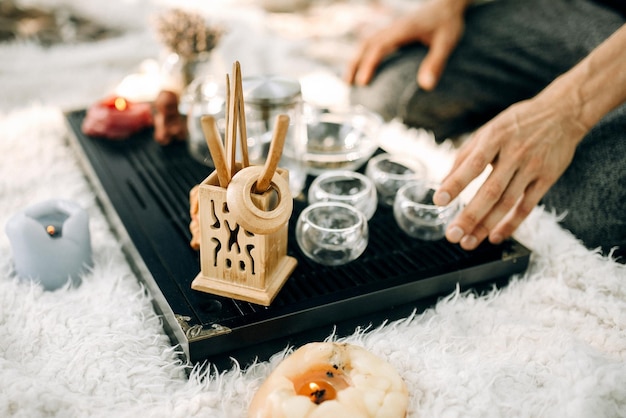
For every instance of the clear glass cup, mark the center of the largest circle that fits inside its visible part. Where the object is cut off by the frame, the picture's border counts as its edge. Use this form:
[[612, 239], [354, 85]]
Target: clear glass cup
[[354, 189], [389, 172], [340, 139], [332, 233], [418, 216]]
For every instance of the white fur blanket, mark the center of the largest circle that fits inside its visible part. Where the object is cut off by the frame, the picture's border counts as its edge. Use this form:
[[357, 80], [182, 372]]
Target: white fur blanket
[[551, 343]]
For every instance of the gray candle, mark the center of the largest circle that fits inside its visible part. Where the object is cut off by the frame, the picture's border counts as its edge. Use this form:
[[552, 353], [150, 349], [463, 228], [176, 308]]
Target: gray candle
[[51, 242]]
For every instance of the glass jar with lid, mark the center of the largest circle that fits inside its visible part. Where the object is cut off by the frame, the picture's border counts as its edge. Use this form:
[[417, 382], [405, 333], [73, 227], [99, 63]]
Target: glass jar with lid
[[265, 97], [204, 96]]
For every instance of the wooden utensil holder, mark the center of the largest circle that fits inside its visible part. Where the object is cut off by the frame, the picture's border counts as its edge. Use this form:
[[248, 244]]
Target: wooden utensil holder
[[243, 211], [235, 262]]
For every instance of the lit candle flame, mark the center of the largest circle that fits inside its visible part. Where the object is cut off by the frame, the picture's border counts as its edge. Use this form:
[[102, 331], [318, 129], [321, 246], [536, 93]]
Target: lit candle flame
[[120, 103], [51, 230], [319, 394], [320, 384]]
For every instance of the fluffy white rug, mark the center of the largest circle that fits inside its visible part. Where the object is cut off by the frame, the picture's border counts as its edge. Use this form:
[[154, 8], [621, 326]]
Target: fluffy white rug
[[552, 343]]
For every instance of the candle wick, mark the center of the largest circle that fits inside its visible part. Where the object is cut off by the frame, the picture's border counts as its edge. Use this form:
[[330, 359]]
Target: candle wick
[[317, 393]]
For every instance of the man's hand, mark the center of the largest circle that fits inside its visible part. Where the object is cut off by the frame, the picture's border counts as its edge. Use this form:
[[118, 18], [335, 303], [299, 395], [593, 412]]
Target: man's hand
[[531, 144], [528, 146], [437, 24]]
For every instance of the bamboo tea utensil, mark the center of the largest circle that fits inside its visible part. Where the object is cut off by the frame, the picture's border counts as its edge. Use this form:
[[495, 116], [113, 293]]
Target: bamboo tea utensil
[[243, 132], [216, 148], [249, 203], [227, 114], [231, 133], [259, 213], [276, 150], [235, 117], [250, 260]]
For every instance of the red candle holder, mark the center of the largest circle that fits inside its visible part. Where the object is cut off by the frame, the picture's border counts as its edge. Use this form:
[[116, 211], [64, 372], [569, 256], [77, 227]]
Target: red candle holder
[[117, 118]]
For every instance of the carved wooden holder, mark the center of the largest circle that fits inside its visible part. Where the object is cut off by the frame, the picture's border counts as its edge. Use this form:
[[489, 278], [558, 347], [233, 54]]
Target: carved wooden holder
[[244, 213]]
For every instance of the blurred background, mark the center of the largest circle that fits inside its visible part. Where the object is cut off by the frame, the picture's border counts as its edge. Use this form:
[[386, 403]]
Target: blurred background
[[67, 53]]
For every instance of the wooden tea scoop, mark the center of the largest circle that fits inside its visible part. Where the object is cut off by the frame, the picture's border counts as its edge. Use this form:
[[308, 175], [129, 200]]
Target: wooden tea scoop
[[227, 111], [231, 127], [235, 116], [243, 133], [274, 154], [216, 148]]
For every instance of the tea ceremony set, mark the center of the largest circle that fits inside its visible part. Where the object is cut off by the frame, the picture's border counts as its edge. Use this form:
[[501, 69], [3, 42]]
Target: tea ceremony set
[[209, 228]]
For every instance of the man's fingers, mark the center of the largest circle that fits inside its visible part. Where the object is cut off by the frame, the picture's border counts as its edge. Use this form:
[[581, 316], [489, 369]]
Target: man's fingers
[[505, 228], [350, 71], [431, 68], [362, 67], [500, 209], [367, 66], [469, 164], [355, 64], [506, 216], [507, 200], [469, 226], [473, 239]]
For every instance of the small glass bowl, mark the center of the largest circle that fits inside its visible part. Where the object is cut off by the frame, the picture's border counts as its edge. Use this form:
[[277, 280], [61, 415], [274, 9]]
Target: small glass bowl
[[418, 216], [340, 139], [332, 233], [354, 189], [389, 172]]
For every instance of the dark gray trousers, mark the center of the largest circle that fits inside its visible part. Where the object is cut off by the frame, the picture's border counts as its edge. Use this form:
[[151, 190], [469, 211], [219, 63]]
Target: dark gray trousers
[[511, 50]]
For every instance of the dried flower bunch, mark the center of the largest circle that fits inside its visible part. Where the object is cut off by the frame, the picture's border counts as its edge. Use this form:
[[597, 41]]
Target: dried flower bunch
[[186, 33]]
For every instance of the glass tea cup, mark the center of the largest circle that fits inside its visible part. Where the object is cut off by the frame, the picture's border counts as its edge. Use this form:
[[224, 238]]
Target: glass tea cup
[[345, 186], [332, 233], [389, 172], [418, 216]]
